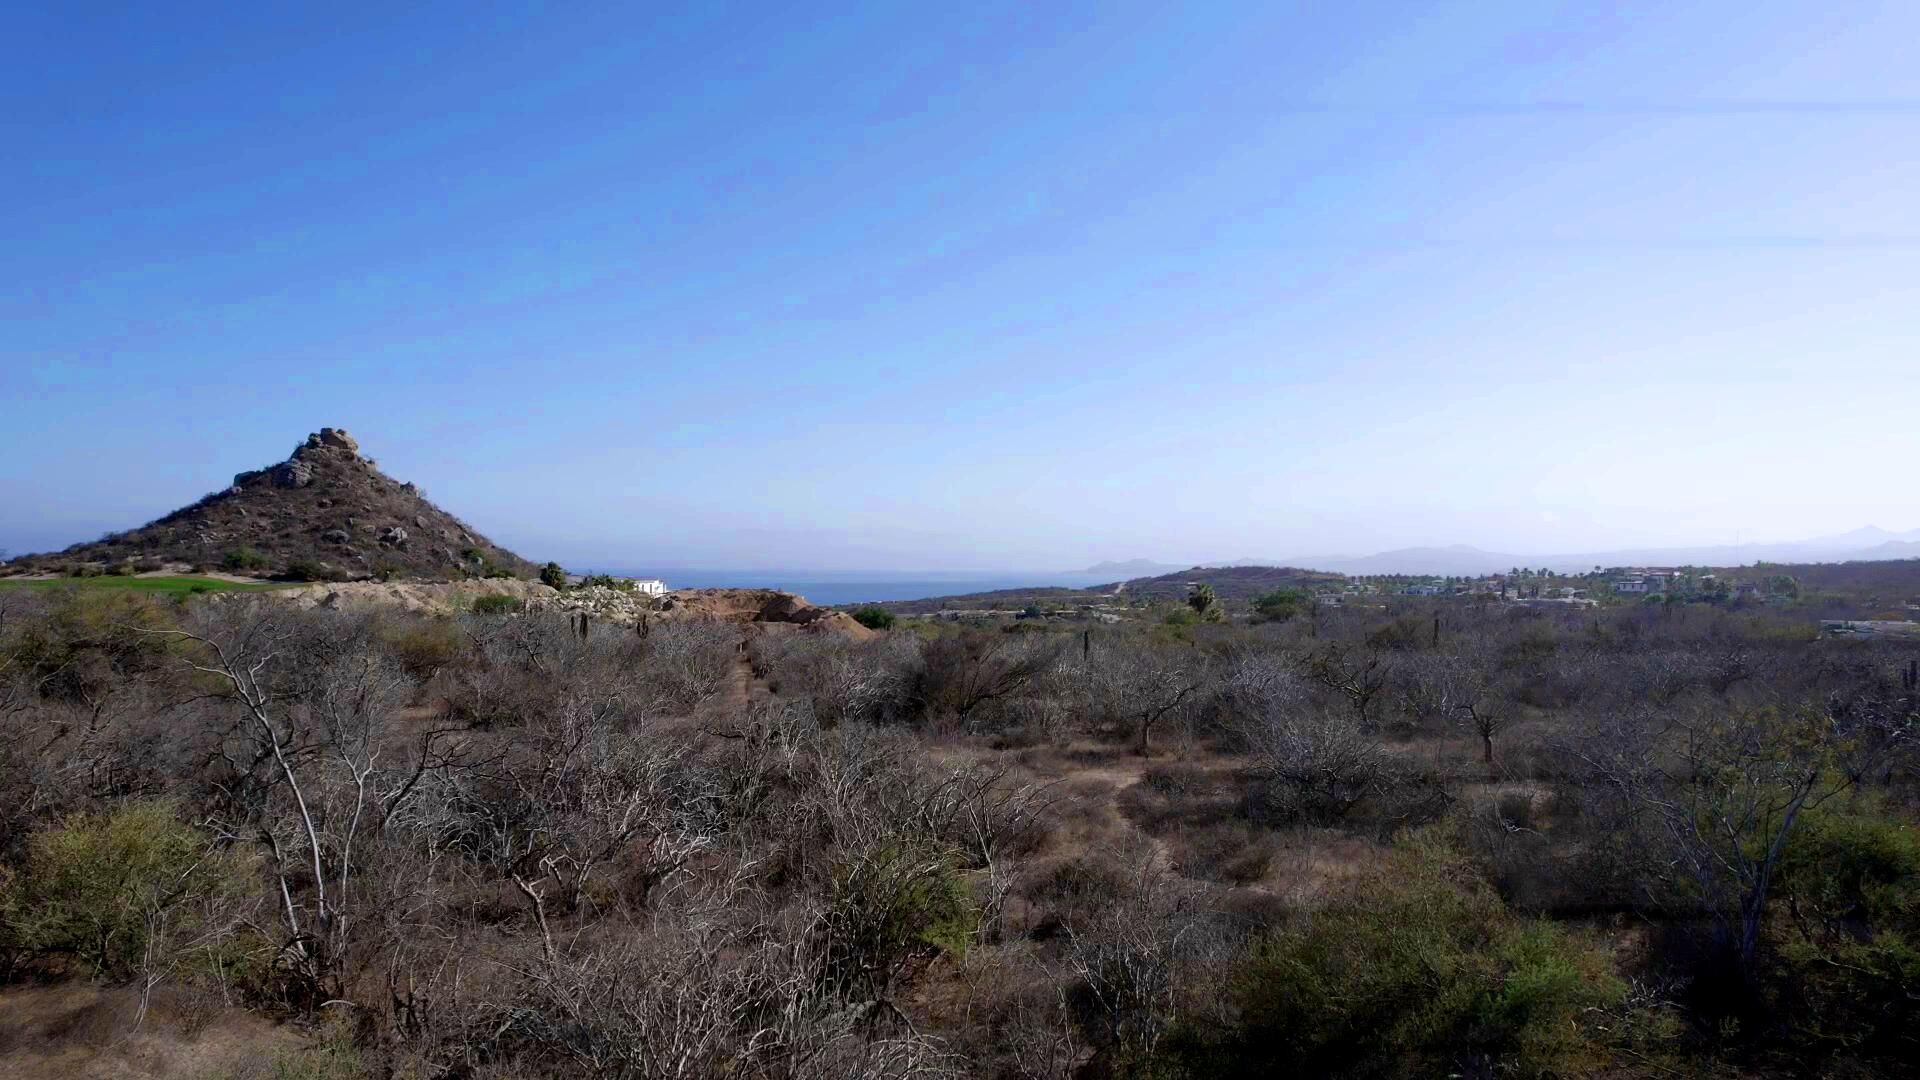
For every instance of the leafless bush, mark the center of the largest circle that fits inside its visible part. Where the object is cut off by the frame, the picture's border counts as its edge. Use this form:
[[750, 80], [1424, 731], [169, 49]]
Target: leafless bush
[[965, 674], [1130, 961], [695, 999], [846, 680], [691, 659], [1314, 764]]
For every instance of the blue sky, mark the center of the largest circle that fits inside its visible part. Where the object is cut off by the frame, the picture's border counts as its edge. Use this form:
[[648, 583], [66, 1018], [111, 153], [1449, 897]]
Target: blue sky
[[973, 286]]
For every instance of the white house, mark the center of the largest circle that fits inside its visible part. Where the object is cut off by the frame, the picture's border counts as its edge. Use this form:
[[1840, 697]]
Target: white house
[[650, 586]]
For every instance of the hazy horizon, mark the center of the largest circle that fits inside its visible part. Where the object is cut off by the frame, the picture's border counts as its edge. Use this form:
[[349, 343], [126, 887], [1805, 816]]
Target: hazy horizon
[[979, 289]]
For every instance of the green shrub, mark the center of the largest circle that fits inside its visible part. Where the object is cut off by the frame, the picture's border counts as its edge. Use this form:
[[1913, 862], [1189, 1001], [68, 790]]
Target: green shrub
[[497, 604], [90, 640], [121, 569], [1205, 604], [243, 558], [554, 575], [99, 888], [874, 617], [889, 906], [1415, 970], [310, 570], [1279, 605], [1844, 931]]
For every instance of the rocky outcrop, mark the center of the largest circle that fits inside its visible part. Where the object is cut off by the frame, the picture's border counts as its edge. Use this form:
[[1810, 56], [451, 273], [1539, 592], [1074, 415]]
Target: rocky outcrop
[[337, 438], [292, 473]]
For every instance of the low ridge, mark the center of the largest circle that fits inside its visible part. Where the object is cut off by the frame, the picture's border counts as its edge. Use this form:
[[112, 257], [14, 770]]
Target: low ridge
[[325, 513]]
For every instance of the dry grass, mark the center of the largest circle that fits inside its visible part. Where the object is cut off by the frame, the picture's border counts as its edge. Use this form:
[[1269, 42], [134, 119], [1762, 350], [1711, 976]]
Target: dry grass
[[75, 1031]]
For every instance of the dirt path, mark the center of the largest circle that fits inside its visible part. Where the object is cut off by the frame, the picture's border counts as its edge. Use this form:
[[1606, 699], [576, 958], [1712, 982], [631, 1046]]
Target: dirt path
[[1118, 775], [742, 691]]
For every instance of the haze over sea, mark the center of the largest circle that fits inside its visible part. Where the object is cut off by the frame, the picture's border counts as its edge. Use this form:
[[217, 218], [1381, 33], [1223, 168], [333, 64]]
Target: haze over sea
[[853, 586]]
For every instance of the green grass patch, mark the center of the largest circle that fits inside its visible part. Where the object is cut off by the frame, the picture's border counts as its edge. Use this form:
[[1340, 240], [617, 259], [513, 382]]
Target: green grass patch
[[185, 583]]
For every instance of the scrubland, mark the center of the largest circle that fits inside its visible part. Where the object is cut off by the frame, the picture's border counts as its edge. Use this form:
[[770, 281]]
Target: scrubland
[[1456, 839]]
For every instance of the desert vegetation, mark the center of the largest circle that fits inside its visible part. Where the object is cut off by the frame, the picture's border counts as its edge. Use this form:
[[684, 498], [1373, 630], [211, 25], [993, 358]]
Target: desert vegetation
[[1454, 839]]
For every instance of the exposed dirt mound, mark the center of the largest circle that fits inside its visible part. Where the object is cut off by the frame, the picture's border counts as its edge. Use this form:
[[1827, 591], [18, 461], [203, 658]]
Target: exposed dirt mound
[[761, 606], [324, 513]]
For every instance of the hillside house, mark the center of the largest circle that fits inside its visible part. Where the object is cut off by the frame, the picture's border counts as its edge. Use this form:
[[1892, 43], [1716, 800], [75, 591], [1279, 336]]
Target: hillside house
[[650, 587], [1645, 580]]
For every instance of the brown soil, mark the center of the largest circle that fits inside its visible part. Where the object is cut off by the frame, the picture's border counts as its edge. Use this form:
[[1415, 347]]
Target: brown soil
[[74, 1030], [761, 606]]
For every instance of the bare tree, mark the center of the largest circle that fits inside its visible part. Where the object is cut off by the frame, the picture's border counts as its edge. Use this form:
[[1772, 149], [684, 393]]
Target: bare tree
[[972, 669], [1315, 762], [308, 765], [1128, 959], [1358, 680]]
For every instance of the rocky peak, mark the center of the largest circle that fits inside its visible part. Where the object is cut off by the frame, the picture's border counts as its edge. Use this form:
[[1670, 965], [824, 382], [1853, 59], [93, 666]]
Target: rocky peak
[[322, 510], [332, 438]]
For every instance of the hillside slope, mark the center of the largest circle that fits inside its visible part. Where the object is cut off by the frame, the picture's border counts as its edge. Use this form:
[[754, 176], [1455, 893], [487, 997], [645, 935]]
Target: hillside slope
[[1230, 583], [324, 512]]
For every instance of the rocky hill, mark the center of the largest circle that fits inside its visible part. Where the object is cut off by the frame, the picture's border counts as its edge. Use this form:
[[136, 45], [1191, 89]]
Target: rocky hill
[[325, 513]]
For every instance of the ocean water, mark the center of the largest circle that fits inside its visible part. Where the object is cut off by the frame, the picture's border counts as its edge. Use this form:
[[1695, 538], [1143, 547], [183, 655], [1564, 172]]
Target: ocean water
[[830, 588]]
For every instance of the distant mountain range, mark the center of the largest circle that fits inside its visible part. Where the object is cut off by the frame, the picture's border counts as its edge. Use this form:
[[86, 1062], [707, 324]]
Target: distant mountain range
[[1870, 544]]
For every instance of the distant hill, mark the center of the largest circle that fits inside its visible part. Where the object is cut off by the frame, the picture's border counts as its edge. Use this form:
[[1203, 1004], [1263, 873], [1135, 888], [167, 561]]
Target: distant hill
[[1231, 583], [1130, 568], [1458, 560], [324, 512], [1228, 582], [1462, 560]]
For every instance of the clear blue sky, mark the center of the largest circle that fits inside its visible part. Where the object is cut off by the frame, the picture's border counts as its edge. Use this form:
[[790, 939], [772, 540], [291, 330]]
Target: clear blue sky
[[984, 285]]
